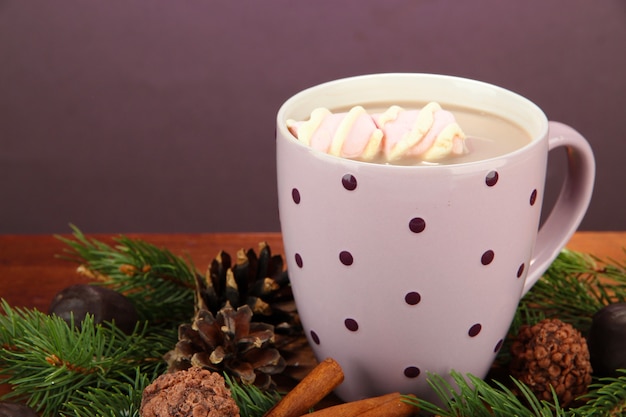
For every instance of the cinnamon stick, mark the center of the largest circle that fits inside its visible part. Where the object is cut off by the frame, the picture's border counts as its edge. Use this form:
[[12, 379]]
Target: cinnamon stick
[[324, 378], [393, 408], [357, 408]]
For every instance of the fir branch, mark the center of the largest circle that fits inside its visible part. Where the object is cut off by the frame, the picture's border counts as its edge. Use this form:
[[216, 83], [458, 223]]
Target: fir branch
[[606, 397], [12, 328], [121, 400], [573, 289], [251, 400], [159, 283], [48, 362], [470, 396], [96, 370]]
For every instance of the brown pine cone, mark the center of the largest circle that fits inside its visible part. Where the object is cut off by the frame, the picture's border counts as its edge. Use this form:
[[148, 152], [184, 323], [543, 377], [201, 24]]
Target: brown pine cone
[[552, 354], [228, 342], [259, 281]]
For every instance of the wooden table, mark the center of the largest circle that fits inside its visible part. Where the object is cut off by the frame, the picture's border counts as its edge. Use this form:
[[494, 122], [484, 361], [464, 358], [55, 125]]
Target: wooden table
[[31, 272]]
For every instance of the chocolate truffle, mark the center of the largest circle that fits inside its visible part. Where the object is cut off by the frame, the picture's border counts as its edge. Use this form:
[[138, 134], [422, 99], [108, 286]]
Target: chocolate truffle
[[552, 355], [193, 392], [105, 304], [607, 340]]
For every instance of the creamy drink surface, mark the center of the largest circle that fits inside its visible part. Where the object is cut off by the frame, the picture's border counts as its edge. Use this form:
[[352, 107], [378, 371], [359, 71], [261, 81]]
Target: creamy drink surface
[[488, 135]]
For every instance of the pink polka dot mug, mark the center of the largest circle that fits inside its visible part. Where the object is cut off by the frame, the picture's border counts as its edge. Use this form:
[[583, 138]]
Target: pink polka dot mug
[[401, 271]]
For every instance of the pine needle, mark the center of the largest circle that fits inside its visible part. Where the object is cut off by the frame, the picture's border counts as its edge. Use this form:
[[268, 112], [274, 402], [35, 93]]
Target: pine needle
[[121, 400], [470, 396], [606, 398], [147, 275], [573, 289], [252, 401], [48, 362]]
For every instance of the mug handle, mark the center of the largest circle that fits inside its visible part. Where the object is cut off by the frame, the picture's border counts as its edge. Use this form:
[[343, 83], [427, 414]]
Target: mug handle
[[571, 204]]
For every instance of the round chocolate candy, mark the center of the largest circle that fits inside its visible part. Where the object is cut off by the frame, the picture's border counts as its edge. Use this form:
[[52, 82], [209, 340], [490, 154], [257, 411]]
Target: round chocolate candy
[[106, 306], [607, 340]]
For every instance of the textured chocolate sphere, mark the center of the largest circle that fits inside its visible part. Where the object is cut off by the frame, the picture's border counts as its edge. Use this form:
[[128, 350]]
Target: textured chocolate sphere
[[104, 304], [607, 340], [192, 392], [552, 355]]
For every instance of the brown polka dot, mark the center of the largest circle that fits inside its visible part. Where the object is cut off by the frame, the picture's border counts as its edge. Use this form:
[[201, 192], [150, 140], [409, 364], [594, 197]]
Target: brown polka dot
[[298, 260], [533, 197], [487, 257], [315, 337], [498, 346], [412, 371], [295, 194], [346, 258], [349, 182], [474, 330], [417, 225], [491, 179], [520, 270], [412, 298], [351, 325]]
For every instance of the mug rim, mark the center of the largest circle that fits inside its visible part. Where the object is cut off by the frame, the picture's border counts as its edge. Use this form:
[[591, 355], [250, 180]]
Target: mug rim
[[539, 136]]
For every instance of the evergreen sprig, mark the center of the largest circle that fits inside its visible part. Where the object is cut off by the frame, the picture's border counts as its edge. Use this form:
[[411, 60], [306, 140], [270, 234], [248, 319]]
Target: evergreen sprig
[[119, 400], [573, 289], [159, 283], [252, 401], [91, 371], [606, 398], [471, 396], [49, 362]]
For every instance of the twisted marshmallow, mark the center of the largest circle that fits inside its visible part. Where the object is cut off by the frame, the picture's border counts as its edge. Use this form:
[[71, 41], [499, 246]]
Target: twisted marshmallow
[[427, 134]]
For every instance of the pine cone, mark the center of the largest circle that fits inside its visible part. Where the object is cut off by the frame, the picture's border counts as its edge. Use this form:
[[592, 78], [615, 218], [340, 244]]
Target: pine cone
[[259, 282], [228, 342], [552, 354]]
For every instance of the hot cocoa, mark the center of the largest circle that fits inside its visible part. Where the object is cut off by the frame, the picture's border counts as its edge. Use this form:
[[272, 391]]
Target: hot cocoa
[[487, 135], [410, 133]]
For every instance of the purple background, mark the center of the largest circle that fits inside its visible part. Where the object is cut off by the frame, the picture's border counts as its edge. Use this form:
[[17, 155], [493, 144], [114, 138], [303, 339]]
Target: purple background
[[158, 115]]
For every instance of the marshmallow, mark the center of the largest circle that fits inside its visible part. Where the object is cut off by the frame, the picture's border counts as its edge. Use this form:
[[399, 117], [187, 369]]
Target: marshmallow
[[349, 135], [428, 134]]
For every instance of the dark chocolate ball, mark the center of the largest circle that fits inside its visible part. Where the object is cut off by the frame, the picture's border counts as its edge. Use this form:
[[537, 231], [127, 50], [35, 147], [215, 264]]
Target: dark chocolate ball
[[106, 306], [607, 340], [16, 410]]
